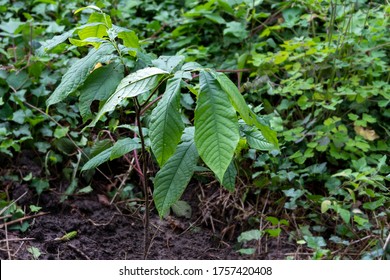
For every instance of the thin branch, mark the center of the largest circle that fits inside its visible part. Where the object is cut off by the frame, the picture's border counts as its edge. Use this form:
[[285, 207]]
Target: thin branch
[[150, 105], [67, 135], [78, 251], [386, 243], [144, 178], [12, 203], [22, 219], [6, 241]]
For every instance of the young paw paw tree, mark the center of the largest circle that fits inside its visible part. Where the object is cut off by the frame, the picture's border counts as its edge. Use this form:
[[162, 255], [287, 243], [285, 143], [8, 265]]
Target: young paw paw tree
[[120, 75]]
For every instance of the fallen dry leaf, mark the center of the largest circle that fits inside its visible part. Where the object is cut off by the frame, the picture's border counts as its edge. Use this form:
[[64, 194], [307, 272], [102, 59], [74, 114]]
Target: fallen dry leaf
[[368, 134]]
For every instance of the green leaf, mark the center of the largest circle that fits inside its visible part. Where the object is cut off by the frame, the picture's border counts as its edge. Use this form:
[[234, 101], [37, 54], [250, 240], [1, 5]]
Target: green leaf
[[123, 146], [235, 97], [34, 251], [242, 108], [247, 251], [266, 131], [273, 232], [99, 86], [168, 63], [55, 41], [60, 132], [130, 39], [79, 71], [315, 242], [182, 209], [255, 139], [216, 125], [250, 235], [40, 185], [93, 7], [132, 85], [98, 30], [229, 179], [172, 179], [325, 205], [344, 214], [98, 159], [375, 204], [166, 124], [236, 29]]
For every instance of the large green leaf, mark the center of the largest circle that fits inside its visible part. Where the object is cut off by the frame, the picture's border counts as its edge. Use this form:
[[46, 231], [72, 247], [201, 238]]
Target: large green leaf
[[255, 138], [266, 131], [120, 148], [98, 159], [79, 71], [166, 125], [168, 63], [130, 38], [216, 125], [242, 108], [124, 146], [235, 96], [229, 179], [99, 86], [55, 41], [98, 30], [132, 85], [173, 177]]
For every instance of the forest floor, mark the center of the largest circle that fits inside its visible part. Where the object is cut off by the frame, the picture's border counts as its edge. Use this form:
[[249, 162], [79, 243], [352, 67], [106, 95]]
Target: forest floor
[[105, 232], [111, 231]]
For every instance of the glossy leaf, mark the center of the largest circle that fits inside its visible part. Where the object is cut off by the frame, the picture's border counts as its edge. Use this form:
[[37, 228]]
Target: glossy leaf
[[229, 179], [168, 63], [255, 138], [172, 179], [242, 108], [79, 71], [216, 125], [130, 38], [133, 85], [99, 86], [124, 146], [97, 160], [55, 41], [166, 125]]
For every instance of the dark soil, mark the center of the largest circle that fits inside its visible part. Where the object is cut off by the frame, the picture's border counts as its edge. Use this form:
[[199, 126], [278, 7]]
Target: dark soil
[[112, 231], [105, 233]]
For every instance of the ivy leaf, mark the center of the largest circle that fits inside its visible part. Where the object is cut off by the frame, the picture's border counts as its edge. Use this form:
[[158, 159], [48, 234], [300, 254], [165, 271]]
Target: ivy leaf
[[250, 235], [166, 125], [79, 71], [172, 179], [216, 125], [99, 86], [236, 29], [132, 85]]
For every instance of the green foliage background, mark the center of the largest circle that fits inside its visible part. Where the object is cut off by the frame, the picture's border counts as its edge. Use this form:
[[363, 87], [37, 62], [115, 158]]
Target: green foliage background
[[316, 71]]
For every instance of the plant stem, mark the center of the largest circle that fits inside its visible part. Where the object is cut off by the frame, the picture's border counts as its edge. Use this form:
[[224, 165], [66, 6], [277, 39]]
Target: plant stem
[[144, 178]]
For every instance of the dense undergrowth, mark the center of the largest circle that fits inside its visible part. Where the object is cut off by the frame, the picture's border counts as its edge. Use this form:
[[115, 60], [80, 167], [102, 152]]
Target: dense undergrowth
[[317, 72]]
